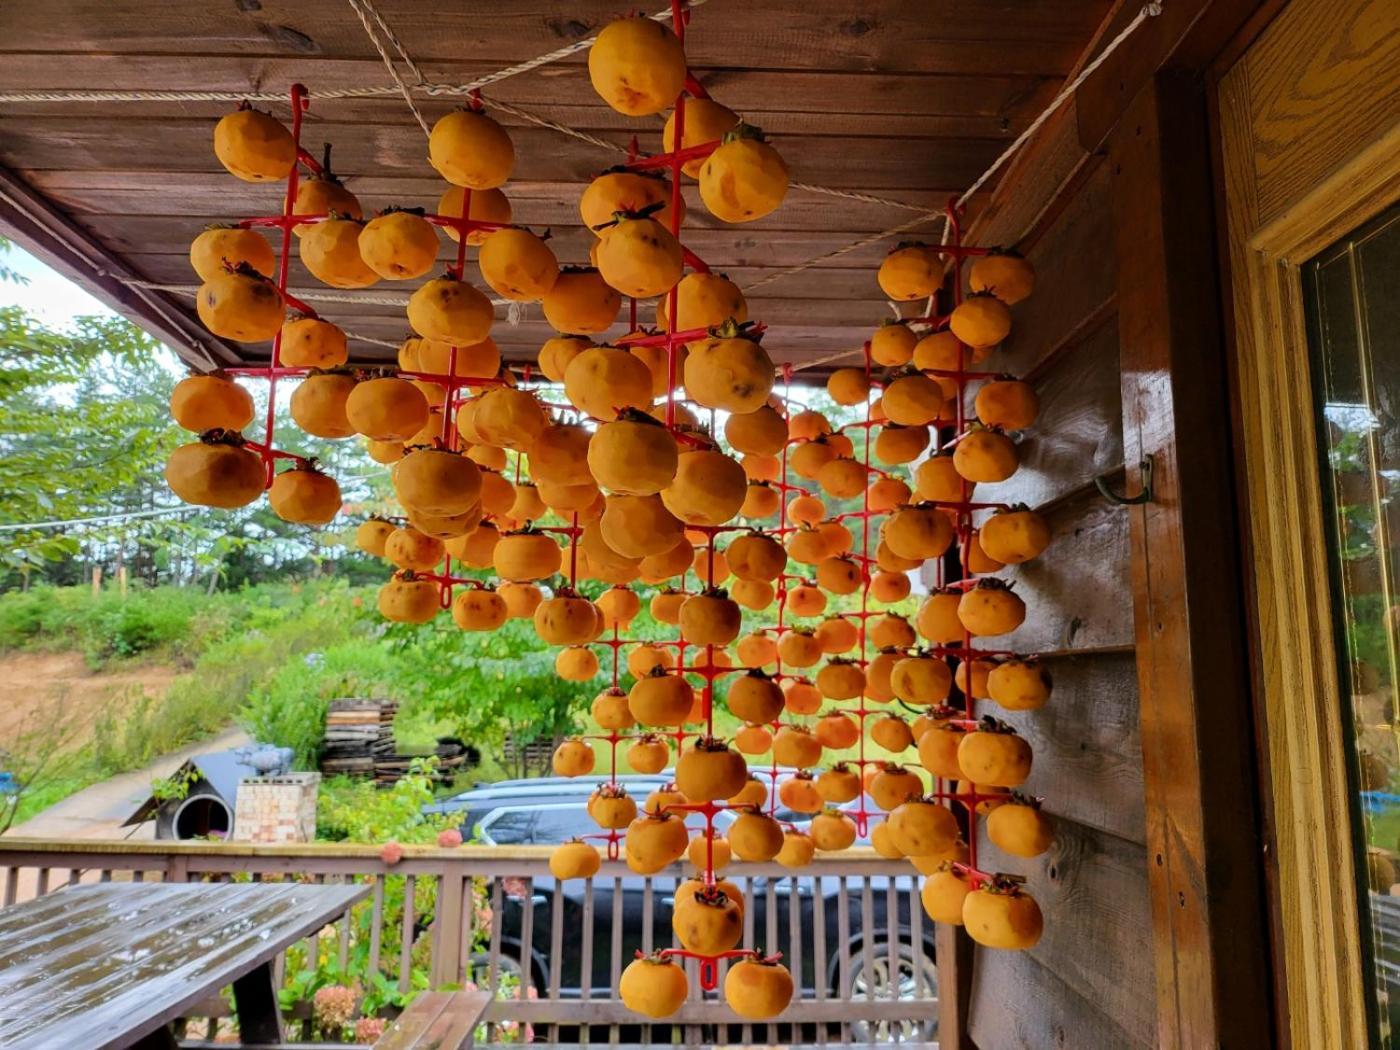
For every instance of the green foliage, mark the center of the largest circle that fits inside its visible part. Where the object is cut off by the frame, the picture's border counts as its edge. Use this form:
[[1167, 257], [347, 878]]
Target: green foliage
[[84, 428], [290, 710], [350, 810], [176, 786], [486, 686]]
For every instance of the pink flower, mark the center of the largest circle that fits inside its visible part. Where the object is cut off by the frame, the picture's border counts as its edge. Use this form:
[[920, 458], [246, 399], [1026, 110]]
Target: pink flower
[[333, 1006], [529, 1034], [368, 1029], [451, 838], [391, 853], [484, 915]]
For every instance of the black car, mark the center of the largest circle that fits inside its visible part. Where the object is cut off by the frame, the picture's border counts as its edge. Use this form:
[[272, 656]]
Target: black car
[[554, 810]]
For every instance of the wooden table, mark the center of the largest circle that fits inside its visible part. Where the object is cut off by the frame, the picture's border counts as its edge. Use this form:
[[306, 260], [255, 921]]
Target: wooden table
[[112, 965]]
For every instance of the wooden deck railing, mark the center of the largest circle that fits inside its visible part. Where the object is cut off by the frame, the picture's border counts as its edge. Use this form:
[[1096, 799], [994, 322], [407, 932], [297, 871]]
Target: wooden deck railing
[[850, 924]]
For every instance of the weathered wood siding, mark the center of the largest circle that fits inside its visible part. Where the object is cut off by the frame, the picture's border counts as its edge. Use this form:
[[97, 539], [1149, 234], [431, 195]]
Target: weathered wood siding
[[1090, 980]]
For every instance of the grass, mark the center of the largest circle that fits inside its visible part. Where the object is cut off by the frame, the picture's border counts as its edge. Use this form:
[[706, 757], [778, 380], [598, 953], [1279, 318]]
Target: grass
[[271, 658]]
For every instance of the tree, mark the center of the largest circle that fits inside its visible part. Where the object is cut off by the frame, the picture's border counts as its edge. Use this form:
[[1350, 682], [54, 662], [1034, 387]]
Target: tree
[[85, 431]]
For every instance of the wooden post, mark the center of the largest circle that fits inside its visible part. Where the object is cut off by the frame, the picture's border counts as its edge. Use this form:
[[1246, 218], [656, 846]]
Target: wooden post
[[447, 928], [121, 579], [1204, 839], [96, 580], [954, 949]]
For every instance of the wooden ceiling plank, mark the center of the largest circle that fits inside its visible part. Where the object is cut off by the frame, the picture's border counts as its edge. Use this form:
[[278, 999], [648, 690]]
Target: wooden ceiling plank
[[28, 220], [886, 164], [895, 35], [733, 246], [750, 91]]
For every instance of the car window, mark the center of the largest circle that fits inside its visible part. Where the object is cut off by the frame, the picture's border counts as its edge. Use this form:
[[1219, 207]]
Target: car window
[[559, 824], [510, 826]]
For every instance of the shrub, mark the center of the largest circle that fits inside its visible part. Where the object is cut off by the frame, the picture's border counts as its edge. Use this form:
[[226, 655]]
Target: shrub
[[289, 710]]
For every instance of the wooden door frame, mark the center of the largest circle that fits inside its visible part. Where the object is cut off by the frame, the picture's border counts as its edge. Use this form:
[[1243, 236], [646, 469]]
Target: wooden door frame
[[1205, 867], [1299, 703]]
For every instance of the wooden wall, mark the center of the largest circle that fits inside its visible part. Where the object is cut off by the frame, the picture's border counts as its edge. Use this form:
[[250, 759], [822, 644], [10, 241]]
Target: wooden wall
[[1090, 981]]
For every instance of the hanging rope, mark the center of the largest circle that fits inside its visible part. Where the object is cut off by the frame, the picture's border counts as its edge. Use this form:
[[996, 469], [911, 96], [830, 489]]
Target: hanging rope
[[376, 91], [370, 18], [365, 11]]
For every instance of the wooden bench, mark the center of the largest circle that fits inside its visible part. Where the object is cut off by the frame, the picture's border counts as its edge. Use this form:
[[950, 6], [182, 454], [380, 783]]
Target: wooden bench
[[436, 1021]]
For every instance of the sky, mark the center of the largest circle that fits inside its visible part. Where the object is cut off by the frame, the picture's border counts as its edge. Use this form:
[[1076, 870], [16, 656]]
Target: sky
[[47, 295]]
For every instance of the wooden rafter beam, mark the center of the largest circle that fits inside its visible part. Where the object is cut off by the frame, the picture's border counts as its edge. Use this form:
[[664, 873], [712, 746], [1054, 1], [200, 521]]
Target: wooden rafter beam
[[34, 224]]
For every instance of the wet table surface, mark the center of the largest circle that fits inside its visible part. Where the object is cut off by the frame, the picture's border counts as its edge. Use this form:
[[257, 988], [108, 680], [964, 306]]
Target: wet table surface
[[112, 965]]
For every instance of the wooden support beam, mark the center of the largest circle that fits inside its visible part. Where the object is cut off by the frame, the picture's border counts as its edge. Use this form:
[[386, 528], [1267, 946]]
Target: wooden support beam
[[40, 229], [1205, 857]]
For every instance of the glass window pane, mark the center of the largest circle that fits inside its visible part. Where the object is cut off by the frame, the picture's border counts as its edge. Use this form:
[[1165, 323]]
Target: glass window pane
[[1354, 331]]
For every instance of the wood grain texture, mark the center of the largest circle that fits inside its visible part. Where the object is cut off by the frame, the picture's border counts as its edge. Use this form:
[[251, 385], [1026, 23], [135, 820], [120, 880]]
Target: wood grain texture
[[1088, 752], [960, 35], [1062, 1019], [925, 94], [1097, 879], [1306, 75], [1282, 97], [1079, 433], [1202, 819], [1077, 594], [65, 989]]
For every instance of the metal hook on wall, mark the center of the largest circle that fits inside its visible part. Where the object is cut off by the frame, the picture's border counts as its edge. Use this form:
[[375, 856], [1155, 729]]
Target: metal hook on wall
[[1145, 496]]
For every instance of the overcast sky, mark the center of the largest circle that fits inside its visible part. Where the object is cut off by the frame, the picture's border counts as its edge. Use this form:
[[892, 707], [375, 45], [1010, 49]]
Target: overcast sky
[[51, 298]]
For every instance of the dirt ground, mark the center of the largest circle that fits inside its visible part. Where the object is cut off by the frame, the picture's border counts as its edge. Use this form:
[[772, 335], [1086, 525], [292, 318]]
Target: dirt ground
[[39, 691]]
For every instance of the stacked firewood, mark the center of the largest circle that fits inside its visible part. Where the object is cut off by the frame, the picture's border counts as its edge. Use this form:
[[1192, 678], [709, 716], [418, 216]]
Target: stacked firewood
[[359, 735]]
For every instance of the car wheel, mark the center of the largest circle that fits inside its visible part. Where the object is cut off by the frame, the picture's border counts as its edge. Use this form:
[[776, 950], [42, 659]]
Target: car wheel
[[888, 984], [508, 970]]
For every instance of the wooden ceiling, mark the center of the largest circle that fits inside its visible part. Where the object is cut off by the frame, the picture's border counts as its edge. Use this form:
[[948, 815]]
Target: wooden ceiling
[[909, 100]]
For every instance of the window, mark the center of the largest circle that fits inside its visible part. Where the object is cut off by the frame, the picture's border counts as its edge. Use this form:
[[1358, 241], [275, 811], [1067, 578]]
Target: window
[[1352, 298]]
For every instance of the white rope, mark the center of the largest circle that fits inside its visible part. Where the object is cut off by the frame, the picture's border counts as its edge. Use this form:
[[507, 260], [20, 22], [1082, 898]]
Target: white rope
[[364, 10], [373, 299], [1149, 10], [376, 91]]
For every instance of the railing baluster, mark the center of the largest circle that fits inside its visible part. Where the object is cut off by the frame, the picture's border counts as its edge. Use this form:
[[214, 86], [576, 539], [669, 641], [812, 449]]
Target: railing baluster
[[376, 923], [586, 963], [692, 1033], [313, 940], [468, 931], [11, 885], [746, 1030], [770, 912], [916, 937], [410, 884], [556, 949], [892, 937], [42, 884], [819, 957], [344, 924], [494, 952], [843, 949], [615, 954], [105, 876], [527, 939], [795, 943], [867, 936]]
